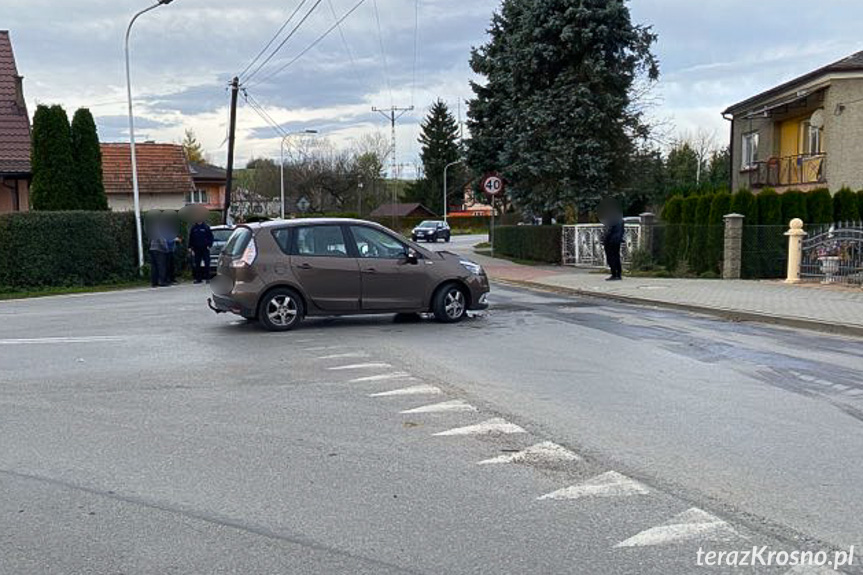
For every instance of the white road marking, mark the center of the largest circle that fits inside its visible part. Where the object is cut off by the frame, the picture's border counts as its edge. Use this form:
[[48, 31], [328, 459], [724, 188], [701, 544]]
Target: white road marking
[[61, 340], [545, 452], [355, 366], [384, 377], [611, 484], [490, 427], [322, 348], [345, 355], [455, 405], [692, 524], [415, 390]]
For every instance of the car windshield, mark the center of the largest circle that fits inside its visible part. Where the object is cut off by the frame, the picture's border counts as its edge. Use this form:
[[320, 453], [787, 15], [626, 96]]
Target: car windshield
[[222, 235], [428, 224], [238, 242]]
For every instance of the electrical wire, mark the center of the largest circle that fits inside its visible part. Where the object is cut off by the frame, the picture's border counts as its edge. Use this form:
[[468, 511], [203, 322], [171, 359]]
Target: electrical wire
[[416, 49], [273, 39], [285, 41], [310, 46], [250, 100], [383, 52], [346, 45]]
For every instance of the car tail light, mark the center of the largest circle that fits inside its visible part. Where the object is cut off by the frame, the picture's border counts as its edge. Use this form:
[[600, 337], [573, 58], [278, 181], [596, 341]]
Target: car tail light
[[248, 257]]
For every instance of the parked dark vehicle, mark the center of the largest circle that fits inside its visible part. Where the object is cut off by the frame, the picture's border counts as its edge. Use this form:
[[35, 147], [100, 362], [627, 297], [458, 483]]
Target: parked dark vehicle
[[432, 231], [221, 235], [281, 272]]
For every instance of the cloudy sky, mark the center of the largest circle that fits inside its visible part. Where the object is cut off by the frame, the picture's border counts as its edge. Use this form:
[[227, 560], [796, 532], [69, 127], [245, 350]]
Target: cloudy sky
[[713, 53]]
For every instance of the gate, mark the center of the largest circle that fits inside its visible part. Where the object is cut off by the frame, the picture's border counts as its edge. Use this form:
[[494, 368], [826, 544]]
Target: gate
[[834, 254], [582, 245]]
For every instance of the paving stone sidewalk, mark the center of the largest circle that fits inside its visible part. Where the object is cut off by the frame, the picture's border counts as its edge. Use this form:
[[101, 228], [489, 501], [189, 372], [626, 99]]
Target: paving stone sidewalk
[[826, 308]]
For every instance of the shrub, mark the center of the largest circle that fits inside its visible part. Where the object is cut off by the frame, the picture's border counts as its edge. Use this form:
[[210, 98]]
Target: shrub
[[743, 203], [535, 243], [50, 249], [794, 206], [719, 208], [641, 261], [672, 216], [819, 206], [845, 207], [769, 208], [53, 186], [767, 254], [690, 212], [698, 257]]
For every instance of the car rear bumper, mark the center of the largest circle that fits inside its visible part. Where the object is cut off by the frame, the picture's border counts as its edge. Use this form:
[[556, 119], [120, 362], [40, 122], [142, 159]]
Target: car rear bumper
[[222, 304]]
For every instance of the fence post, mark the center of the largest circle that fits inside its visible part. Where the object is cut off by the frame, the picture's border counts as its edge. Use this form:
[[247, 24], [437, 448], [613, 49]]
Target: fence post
[[648, 220], [795, 250], [733, 249]]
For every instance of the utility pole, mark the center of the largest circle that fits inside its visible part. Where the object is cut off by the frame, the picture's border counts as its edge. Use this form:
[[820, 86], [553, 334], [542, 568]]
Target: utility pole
[[393, 114], [232, 133]]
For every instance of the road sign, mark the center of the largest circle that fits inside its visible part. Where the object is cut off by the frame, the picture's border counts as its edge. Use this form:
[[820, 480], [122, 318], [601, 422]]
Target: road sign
[[303, 204], [493, 184]]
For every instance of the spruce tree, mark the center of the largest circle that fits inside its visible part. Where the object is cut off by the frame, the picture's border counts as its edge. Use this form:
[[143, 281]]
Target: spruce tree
[[555, 113], [193, 148], [440, 146], [87, 157], [53, 185]]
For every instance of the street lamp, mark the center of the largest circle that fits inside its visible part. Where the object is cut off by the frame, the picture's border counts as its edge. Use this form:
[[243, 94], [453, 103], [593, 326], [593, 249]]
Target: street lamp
[[282, 163], [135, 191], [445, 194]]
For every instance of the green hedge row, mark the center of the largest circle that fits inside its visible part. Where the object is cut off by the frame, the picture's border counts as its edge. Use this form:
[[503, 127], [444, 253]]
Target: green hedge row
[[535, 243], [53, 249]]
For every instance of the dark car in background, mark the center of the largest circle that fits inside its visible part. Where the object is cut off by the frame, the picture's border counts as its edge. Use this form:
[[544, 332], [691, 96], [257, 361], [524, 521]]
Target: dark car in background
[[282, 271], [432, 231], [221, 235]]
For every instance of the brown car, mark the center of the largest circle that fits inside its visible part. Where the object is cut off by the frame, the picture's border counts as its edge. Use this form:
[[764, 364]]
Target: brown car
[[282, 271]]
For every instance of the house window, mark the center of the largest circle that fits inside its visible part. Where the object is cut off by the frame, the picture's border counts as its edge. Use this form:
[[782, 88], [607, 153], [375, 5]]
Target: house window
[[197, 197], [810, 139], [750, 151]]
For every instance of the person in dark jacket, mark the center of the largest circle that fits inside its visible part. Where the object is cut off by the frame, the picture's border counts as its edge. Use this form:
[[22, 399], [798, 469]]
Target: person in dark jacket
[[200, 242], [612, 239], [158, 258]]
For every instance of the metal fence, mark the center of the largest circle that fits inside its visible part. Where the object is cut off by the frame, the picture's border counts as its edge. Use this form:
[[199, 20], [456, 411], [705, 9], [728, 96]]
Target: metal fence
[[582, 245], [764, 252], [833, 254]]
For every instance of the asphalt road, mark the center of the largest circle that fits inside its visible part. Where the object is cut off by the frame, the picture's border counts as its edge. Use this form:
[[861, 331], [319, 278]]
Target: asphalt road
[[143, 434]]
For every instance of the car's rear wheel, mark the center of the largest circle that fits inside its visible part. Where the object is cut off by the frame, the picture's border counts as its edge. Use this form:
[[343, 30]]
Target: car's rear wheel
[[281, 310], [450, 304]]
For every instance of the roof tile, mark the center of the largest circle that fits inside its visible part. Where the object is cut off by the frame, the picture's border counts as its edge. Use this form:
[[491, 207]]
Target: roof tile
[[162, 169], [14, 122]]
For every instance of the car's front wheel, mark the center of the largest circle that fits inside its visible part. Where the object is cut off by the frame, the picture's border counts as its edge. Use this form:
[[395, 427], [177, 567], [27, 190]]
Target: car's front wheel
[[281, 310], [450, 304]]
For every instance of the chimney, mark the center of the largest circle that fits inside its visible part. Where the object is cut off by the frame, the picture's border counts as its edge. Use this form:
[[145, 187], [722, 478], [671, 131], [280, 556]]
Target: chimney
[[19, 93]]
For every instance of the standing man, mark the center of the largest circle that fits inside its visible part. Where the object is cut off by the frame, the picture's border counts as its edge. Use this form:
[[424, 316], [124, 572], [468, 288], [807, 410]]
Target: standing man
[[158, 255], [200, 242], [612, 218]]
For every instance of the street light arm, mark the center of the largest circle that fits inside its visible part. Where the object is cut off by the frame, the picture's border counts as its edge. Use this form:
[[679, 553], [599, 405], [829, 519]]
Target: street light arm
[[445, 191]]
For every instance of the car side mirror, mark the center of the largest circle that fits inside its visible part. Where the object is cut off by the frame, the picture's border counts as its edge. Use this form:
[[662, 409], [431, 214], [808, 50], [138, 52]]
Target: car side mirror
[[412, 256]]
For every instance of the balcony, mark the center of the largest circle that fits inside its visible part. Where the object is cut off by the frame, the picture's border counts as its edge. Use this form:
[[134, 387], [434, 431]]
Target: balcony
[[801, 170]]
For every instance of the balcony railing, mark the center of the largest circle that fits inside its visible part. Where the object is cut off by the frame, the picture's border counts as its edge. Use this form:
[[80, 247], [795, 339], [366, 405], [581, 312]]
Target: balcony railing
[[789, 171]]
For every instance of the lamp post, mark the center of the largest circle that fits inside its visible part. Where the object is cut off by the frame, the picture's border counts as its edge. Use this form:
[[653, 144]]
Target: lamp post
[[135, 191], [445, 194], [282, 166]]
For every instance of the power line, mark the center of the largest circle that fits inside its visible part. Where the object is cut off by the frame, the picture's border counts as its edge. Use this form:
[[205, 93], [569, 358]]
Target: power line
[[383, 52], [345, 44], [273, 39], [285, 41], [416, 49], [260, 111], [312, 45]]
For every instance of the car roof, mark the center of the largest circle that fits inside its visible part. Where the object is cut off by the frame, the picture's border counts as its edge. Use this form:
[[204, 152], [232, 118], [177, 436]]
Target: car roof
[[308, 222]]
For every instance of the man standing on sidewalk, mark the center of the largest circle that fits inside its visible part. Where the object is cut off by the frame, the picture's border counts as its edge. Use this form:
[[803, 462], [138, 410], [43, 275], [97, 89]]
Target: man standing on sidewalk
[[612, 238], [200, 242]]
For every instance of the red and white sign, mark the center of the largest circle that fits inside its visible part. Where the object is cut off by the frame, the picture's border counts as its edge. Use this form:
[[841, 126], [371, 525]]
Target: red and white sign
[[493, 184]]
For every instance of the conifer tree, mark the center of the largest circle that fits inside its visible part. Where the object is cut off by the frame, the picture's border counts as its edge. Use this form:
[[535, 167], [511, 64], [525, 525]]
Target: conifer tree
[[53, 185], [87, 158]]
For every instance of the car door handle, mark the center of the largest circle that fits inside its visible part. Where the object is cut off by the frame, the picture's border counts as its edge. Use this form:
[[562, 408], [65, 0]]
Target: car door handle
[[305, 266], [370, 271]]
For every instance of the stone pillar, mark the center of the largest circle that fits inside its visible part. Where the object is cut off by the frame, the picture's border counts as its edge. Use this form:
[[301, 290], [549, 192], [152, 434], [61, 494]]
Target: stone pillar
[[645, 242], [795, 250], [733, 253]]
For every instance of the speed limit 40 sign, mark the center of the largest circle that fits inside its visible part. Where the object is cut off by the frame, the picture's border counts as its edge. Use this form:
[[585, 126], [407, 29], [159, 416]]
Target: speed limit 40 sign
[[492, 184]]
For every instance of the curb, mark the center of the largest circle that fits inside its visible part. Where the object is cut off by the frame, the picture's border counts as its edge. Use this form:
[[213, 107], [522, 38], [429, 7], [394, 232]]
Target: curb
[[727, 314]]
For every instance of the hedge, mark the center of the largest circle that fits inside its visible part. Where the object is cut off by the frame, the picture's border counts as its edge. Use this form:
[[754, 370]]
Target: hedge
[[794, 206], [535, 243], [819, 206], [719, 208], [845, 208], [58, 249], [672, 216]]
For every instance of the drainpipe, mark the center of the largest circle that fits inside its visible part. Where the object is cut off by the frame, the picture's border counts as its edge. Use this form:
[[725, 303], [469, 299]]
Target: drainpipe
[[730, 118]]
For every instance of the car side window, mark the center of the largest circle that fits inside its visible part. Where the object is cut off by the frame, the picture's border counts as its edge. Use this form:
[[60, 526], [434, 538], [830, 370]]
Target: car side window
[[320, 241], [375, 244], [283, 239]]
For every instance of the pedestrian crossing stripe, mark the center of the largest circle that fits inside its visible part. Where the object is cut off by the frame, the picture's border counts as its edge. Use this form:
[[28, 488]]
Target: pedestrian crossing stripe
[[495, 426], [545, 452], [407, 391], [455, 405]]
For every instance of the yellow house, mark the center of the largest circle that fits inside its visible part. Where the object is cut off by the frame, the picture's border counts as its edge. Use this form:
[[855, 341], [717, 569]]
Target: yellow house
[[804, 134]]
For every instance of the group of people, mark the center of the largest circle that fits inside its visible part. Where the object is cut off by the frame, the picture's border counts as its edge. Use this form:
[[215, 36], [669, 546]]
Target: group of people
[[165, 241]]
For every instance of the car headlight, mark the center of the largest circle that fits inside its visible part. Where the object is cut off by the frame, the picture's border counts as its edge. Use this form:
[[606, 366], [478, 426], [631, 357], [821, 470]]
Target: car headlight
[[473, 268]]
